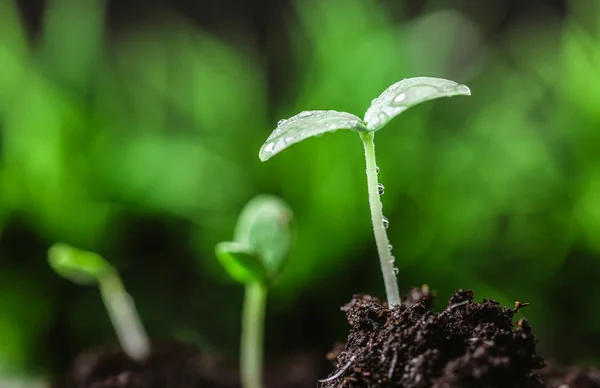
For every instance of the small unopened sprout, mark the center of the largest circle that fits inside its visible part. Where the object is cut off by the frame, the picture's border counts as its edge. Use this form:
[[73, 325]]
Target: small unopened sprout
[[255, 258], [393, 101], [89, 268]]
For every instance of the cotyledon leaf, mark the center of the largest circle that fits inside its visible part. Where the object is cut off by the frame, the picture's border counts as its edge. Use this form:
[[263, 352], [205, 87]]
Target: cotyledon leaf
[[241, 262], [77, 265], [265, 225], [307, 124], [407, 93]]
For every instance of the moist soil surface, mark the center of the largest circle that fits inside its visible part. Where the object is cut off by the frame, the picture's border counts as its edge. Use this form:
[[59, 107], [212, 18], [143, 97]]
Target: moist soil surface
[[467, 345], [171, 364], [178, 365]]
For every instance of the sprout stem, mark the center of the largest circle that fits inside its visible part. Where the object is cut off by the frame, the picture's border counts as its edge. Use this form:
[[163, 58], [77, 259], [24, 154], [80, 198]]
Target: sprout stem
[[252, 335], [124, 317], [381, 239]]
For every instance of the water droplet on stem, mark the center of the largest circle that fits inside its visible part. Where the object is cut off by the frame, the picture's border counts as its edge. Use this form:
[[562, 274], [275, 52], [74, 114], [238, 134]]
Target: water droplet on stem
[[380, 189], [396, 270], [385, 221]]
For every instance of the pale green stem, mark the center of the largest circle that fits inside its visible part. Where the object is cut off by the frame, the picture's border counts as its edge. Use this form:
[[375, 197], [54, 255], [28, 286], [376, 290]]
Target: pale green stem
[[124, 317], [381, 239], [252, 335]]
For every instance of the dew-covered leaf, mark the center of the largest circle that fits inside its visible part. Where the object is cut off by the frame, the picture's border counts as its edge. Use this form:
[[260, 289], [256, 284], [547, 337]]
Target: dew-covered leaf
[[265, 226], [77, 265], [407, 93], [307, 124], [241, 262]]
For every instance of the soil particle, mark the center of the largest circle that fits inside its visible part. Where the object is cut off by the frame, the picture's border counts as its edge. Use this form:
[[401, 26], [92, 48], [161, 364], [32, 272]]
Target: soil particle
[[467, 345]]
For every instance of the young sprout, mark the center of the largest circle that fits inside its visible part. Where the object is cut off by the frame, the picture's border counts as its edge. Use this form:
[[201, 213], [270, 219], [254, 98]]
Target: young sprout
[[255, 258], [393, 101], [89, 268]]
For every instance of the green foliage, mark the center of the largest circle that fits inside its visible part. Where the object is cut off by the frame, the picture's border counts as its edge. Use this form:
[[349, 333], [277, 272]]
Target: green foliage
[[407, 93], [241, 262], [100, 127], [257, 256], [393, 101], [307, 124], [79, 266], [262, 240]]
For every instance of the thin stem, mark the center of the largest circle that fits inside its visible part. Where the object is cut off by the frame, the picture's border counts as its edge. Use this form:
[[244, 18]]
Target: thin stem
[[252, 335], [124, 317], [381, 239]]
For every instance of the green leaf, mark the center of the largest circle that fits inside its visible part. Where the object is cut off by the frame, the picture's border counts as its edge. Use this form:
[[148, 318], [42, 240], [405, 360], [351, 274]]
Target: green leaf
[[407, 93], [76, 265], [265, 225], [241, 262], [307, 124]]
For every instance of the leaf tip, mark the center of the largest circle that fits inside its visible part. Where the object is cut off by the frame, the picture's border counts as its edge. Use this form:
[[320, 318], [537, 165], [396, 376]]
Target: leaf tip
[[77, 265], [263, 156], [268, 150], [463, 89]]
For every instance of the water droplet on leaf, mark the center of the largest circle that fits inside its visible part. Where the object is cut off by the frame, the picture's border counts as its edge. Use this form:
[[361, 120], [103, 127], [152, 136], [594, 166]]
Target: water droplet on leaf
[[383, 118], [377, 169], [385, 221], [269, 147], [396, 270], [281, 122], [380, 189], [390, 247], [406, 93], [400, 97], [305, 114], [392, 259], [394, 87]]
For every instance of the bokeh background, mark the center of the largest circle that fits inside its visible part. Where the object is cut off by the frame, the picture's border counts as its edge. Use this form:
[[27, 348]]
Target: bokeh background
[[132, 128]]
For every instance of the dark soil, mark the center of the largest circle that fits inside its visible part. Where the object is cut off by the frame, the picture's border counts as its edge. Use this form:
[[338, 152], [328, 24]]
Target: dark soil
[[467, 345], [177, 365], [575, 377], [172, 364]]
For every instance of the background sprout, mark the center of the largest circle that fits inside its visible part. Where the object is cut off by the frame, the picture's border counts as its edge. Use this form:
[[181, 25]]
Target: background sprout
[[393, 101], [88, 268], [255, 258]]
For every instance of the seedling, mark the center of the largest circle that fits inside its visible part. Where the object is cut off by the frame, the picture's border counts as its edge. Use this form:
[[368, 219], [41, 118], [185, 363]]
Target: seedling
[[255, 258], [393, 101], [89, 268]]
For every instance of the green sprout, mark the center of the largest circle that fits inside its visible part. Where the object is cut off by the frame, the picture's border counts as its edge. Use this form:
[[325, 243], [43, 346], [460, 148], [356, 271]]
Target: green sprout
[[393, 101], [89, 268], [255, 258]]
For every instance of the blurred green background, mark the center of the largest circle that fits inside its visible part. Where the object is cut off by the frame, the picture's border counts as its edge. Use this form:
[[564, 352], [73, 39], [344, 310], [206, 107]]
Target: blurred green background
[[133, 128]]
